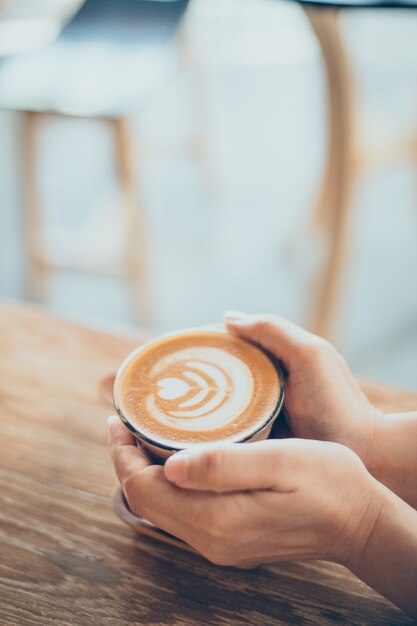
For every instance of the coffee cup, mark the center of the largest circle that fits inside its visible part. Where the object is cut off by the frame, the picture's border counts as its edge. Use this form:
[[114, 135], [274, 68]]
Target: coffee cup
[[198, 386]]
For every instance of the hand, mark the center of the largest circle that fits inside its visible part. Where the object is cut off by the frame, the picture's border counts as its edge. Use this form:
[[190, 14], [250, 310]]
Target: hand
[[323, 400], [246, 504]]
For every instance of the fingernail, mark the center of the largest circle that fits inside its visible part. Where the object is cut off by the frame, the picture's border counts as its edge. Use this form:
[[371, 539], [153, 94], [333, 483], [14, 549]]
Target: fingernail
[[234, 316], [112, 419], [176, 467]]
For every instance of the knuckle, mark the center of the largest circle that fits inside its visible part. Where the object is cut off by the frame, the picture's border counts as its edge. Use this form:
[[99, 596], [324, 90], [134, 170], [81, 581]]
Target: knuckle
[[219, 546], [151, 473], [116, 457], [218, 553], [211, 464], [264, 324], [195, 517], [316, 348], [204, 519], [139, 487], [219, 528], [131, 488]]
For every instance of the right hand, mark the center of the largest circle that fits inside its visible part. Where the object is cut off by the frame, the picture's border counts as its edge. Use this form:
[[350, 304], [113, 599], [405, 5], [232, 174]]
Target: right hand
[[323, 400], [246, 504]]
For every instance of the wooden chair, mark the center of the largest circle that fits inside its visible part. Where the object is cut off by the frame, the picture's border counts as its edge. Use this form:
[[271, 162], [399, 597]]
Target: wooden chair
[[345, 159], [108, 62]]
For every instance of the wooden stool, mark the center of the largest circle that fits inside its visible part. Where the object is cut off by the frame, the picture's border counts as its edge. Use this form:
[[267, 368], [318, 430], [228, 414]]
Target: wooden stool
[[107, 63], [345, 158]]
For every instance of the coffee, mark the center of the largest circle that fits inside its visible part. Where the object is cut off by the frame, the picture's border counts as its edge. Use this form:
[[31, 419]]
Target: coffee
[[197, 386]]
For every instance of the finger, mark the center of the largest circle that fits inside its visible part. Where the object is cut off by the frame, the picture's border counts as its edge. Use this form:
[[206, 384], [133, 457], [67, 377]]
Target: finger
[[150, 489], [172, 526], [117, 433], [126, 456], [200, 539], [237, 467], [189, 515], [279, 336]]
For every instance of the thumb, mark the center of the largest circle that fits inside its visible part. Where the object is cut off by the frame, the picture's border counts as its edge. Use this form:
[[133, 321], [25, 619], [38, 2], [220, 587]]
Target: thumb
[[236, 466], [285, 340]]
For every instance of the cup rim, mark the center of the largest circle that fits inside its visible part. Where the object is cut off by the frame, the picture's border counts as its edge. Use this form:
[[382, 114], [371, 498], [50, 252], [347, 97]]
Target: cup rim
[[215, 328]]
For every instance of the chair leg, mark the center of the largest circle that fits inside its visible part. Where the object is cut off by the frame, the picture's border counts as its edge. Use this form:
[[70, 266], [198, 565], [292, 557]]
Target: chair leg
[[332, 213], [36, 270], [137, 244]]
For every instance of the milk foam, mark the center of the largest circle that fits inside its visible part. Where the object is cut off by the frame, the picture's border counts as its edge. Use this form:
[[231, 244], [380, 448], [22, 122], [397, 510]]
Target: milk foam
[[197, 386], [201, 389]]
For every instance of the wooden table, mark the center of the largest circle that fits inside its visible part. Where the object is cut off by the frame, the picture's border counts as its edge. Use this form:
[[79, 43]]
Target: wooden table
[[65, 557]]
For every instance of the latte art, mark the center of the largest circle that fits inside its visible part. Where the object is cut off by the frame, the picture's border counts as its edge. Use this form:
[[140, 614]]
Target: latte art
[[197, 386], [199, 393]]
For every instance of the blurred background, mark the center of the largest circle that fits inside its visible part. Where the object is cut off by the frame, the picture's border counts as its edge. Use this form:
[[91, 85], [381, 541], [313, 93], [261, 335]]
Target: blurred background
[[161, 161]]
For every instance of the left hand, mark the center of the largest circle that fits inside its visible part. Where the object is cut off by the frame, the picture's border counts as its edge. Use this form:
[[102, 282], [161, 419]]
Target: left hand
[[246, 504]]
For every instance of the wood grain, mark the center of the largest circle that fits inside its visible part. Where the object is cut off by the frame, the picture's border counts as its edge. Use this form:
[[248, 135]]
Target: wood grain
[[65, 557]]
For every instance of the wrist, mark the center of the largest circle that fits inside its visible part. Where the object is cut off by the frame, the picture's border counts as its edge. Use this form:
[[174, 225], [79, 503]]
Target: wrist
[[386, 550], [361, 517], [391, 454], [373, 446]]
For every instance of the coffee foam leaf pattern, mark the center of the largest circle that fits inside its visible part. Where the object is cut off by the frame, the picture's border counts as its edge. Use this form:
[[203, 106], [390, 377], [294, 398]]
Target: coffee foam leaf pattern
[[207, 392], [197, 386]]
